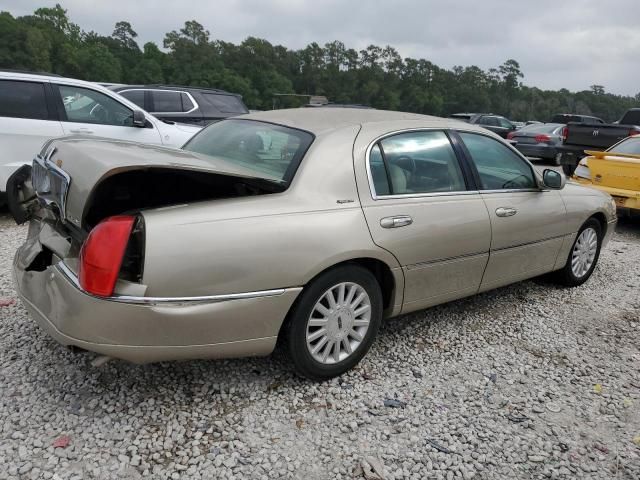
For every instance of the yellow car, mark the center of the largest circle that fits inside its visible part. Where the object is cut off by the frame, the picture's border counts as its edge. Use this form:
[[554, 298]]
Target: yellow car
[[616, 171]]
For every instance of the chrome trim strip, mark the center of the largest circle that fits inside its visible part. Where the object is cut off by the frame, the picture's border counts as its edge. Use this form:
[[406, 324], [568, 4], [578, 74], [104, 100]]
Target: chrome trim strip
[[514, 190], [428, 263], [427, 195], [529, 243], [460, 128], [68, 273], [193, 100]]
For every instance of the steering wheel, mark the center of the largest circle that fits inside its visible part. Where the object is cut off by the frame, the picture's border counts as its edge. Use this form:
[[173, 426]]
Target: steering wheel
[[98, 112], [403, 160]]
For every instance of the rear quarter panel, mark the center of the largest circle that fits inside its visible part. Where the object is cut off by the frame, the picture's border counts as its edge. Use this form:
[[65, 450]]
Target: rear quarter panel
[[264, 242]]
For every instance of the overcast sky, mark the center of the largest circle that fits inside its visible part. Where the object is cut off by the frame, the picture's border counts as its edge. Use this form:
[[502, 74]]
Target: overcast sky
[[559, 43]]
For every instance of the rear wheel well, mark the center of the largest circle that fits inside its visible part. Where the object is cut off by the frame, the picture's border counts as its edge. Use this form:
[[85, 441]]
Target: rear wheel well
[[378, 269]]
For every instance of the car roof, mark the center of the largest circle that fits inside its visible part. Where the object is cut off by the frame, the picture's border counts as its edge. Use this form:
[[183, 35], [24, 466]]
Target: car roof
[[48, 77], [28, 72], [324, 120], [173, 87]]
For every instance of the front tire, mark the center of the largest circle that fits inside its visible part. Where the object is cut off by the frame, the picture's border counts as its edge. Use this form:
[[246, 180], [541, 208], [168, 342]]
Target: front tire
[[583, 257], [334, 322], [557, 159]]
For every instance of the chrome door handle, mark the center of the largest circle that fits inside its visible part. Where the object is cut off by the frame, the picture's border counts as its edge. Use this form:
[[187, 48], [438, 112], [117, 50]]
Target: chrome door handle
[[395, 222], [506, 212], [80, 130]]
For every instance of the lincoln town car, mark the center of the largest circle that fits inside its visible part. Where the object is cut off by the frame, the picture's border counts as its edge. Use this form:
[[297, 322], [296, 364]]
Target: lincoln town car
[[302, 227]]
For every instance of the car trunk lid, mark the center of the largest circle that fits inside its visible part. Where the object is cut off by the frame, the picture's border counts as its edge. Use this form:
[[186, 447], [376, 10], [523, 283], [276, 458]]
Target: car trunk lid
[[84, 180]]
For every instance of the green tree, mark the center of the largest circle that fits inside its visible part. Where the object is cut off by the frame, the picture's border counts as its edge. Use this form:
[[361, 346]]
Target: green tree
[[378, 76]]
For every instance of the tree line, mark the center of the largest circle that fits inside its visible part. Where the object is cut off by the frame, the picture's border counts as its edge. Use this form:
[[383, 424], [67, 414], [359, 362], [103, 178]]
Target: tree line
[[47, 41]]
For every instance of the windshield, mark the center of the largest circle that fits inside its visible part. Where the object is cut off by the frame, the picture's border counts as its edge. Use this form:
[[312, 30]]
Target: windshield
[[630, 146], [265, 148]]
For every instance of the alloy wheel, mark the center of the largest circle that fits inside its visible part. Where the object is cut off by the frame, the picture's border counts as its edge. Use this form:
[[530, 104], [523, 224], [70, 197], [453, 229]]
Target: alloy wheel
[[584, 252], [338, 323]]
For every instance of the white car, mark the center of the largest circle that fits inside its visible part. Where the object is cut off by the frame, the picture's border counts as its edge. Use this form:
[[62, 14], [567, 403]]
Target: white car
[[35, 108]]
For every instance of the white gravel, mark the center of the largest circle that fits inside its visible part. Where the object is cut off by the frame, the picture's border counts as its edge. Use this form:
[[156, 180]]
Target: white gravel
[[529, 381]]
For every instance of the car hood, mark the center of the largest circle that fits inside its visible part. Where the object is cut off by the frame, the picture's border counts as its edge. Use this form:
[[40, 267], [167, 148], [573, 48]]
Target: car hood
[[88, 161]]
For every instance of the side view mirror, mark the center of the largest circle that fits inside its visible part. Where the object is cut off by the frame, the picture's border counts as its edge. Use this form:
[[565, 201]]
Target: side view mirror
[[139, 119], [553, 179]]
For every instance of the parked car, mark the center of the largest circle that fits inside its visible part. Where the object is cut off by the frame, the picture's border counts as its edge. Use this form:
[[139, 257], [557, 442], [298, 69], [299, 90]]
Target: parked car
[[310, 225], [463, 117], [495, 123], [615, 171], [538, 140], [572, 117], [196, 105], [36, 107], [578, 137]]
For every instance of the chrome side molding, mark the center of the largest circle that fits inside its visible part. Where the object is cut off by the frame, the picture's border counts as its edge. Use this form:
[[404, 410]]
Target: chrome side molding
[[72, 277]]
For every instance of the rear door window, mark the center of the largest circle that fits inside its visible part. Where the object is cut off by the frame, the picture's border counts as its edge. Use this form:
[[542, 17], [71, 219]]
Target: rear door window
[[415, 163], [378, 171], [165, 101], [135, 96], [20, 99]]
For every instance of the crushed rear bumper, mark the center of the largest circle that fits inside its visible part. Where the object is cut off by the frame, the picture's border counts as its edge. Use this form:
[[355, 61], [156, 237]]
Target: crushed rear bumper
[[227, 326]]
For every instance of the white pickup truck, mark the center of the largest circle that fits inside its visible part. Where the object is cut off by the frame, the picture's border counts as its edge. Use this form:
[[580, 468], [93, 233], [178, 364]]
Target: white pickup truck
[[35, 108]]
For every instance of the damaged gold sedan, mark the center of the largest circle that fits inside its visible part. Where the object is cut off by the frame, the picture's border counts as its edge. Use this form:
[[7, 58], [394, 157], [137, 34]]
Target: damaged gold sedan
[[310, 225]]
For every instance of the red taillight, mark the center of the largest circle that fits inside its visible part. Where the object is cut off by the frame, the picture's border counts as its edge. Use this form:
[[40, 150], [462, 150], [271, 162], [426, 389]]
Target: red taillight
[[510, 135], [543, 138], [633, 132], [565, 133], [102, 253]]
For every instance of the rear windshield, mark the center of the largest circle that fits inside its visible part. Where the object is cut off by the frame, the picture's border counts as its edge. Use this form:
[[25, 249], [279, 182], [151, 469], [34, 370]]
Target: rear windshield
[[629, 146], [265, 148], [549, 128], [632, 117]]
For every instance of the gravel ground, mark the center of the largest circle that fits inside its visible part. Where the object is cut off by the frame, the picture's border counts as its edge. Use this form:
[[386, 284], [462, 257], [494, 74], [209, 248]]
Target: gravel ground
[[528, 381]]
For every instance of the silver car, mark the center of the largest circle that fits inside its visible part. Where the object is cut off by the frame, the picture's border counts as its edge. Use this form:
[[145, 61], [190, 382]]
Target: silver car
[[309, 225], [538, 140]]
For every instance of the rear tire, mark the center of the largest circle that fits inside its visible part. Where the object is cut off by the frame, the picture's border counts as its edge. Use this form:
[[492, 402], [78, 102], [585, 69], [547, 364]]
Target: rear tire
[[568, 169], [583, 256], [334, 322]]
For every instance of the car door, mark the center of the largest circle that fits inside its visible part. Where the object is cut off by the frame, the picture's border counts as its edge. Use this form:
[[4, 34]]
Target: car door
[[527, 223], [91, 112], [423, 208], [26, 122]]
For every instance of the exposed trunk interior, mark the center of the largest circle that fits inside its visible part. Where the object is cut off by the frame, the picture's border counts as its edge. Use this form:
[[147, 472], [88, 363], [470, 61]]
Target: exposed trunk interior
[[157, 187]]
